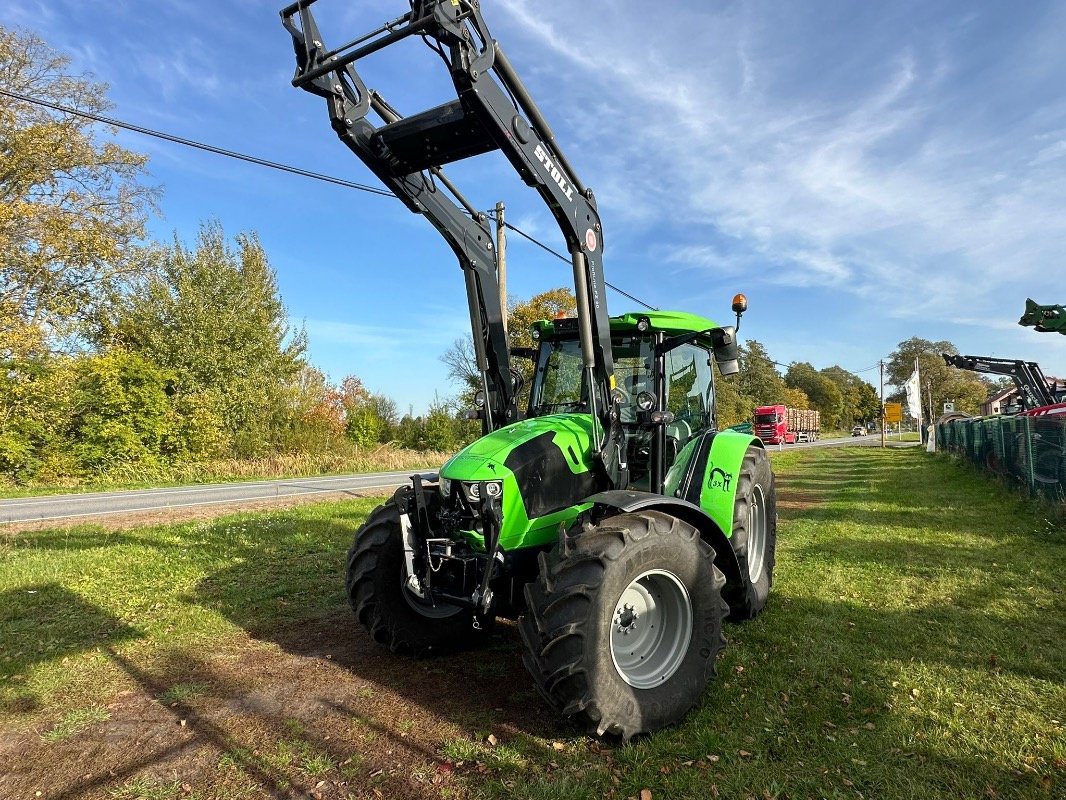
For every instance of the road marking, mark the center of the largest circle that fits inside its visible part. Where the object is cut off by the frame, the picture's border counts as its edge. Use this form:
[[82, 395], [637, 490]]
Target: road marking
[[190, 505], [207, 487]]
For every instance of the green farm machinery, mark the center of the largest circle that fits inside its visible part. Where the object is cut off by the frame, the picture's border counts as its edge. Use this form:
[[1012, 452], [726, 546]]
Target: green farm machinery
[[610, 517]]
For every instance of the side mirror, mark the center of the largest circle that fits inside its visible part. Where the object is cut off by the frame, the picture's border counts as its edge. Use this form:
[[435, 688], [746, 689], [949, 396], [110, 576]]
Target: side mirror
[[726, 352]]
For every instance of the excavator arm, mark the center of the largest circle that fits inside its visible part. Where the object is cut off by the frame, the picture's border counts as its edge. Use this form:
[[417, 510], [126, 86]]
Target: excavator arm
[[1027, 376], [492, 111]]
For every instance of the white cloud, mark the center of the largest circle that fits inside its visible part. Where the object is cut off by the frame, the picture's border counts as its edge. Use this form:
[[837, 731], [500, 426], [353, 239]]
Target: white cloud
[[899, 175]]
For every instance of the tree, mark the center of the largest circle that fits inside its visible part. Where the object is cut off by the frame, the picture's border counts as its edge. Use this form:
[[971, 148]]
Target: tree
[[859, 402], [212, 316], [462, 365], [122, 414], [946, 384], [759, 379], [460, 360], [824, 395], [72, 209], [439, 427], [795, 398]]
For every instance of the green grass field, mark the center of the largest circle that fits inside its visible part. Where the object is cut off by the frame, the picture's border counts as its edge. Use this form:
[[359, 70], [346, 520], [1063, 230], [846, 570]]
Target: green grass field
[[914, 647]]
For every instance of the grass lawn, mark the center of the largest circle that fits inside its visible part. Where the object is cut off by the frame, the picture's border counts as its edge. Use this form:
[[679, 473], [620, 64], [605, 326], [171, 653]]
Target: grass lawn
[[913, 647]]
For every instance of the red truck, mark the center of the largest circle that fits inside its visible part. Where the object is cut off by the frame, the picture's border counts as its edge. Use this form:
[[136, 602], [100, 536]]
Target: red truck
[[777, 424]]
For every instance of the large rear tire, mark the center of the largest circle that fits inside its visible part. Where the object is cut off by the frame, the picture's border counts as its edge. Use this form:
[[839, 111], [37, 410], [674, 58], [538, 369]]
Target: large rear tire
[[622, 628], [396, 617], [754, 538]]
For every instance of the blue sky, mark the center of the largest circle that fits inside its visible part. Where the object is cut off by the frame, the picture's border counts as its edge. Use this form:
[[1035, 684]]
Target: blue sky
[[864, 172]]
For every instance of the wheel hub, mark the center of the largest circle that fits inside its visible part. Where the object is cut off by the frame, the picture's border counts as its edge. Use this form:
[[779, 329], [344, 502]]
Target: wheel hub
[[651, 629], [625, 617], [756, 533]]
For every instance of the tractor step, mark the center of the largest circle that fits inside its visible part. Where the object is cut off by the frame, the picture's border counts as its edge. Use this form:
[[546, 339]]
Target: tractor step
[[433, 138]]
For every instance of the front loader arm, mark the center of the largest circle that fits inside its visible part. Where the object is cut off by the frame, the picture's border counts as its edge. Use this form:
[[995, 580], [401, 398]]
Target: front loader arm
[[494, 111], [1027, 376], [464, 228]]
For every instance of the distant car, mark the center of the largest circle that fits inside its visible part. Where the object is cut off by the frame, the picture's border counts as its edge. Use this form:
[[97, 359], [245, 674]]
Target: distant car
[[858, 430]]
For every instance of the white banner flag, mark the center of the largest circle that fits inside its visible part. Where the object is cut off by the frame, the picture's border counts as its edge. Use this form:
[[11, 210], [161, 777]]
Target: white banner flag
[[914, 394]]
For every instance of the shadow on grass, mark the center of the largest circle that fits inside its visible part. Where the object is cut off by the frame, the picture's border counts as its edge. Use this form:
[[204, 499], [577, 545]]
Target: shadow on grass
[[281, 581], [48, 622], [294, 596]]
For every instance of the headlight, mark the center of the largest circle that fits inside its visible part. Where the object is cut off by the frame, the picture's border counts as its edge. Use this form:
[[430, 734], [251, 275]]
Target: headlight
[[473, 489], [479, 398], [445, 486], [645, 401]]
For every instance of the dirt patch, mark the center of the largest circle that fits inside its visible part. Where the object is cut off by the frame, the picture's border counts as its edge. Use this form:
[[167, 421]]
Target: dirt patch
[[319, 712], [794, 498], [798, 500]]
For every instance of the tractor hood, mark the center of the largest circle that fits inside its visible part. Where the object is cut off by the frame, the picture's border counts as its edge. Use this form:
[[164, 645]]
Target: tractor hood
[[509, 447], [543, 461]]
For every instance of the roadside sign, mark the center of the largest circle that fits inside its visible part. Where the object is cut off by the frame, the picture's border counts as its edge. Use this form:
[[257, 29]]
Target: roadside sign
[[949, 407], [893, 412]]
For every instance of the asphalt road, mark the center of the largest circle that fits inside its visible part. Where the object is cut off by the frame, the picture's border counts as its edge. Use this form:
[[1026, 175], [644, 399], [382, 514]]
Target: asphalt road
[[70, 506], [872, 440]]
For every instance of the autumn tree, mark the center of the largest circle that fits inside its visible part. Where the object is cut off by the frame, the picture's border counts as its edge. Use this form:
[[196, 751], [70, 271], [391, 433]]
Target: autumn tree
[[72, 207], [967, 390], [211, 315], [758, 379], [822, 392], [858, 400], [460, 359]]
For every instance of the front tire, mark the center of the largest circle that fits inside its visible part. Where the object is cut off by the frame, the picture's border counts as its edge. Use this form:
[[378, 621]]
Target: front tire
[[754, 538], [623, 626], [394, 616]]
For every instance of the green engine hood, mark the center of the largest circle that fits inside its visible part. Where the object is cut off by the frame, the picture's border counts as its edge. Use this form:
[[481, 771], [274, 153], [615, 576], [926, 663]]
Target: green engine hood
[[545, 468], [511, 447]]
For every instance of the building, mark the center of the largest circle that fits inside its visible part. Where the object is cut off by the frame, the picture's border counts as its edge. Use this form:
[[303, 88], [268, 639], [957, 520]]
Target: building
[[1008, 401]]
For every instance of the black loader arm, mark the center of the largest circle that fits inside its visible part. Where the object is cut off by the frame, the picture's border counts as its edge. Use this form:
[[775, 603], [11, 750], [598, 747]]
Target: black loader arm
[[419, 186], [1027, 376], [493, 111]]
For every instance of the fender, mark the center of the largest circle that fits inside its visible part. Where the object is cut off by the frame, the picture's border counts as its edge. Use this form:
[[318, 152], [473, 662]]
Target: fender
[[625, 501], [708, 478]]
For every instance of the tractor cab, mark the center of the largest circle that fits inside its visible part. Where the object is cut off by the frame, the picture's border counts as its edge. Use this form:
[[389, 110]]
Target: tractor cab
[[664, 390]]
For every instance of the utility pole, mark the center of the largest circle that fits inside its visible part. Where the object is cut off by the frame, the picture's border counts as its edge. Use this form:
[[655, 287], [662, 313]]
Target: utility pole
[[501, 260], [881, 364]]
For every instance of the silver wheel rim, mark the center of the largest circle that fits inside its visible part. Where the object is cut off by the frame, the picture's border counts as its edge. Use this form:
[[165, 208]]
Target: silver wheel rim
[[422, 607], [651, 627], [756, 533]]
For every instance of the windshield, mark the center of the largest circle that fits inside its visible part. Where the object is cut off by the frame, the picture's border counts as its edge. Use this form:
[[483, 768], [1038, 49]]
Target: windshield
[[765, 419], [559, 384]]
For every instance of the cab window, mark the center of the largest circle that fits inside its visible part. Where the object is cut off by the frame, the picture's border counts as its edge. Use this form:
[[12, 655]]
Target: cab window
[[689, 392]]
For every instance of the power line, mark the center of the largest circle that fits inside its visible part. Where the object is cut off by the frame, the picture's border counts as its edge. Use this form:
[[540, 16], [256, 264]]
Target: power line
[[197, 145], [267, 163], [566, 260], [362, 187]]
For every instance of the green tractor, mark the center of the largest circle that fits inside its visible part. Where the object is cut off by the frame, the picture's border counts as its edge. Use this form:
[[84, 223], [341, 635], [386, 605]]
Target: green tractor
[[610, 517]]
